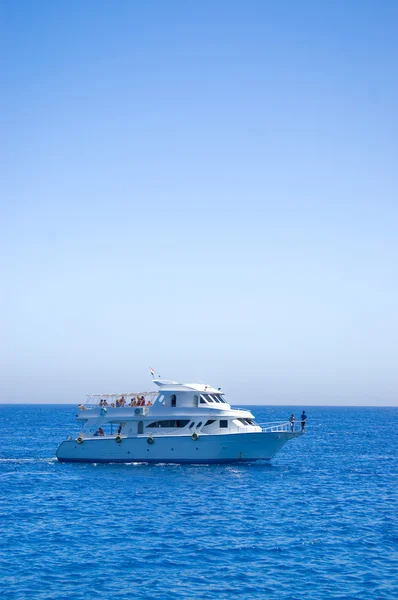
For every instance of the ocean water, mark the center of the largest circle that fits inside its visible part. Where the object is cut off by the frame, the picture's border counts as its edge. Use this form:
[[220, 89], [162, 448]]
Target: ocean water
[[319, 522]]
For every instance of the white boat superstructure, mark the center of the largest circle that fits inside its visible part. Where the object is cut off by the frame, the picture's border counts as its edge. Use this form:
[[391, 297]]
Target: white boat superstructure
[[179, 423]]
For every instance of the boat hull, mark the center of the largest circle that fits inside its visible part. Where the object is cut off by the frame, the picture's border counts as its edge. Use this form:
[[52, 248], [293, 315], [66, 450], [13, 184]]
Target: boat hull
[[226, 448]]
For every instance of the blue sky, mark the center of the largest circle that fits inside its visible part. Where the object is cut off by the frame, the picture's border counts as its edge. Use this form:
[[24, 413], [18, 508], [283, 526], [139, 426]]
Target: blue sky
[[208, 188]]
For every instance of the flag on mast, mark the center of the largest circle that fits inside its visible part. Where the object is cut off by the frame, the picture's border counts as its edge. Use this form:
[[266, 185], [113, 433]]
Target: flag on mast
[[152, 371]]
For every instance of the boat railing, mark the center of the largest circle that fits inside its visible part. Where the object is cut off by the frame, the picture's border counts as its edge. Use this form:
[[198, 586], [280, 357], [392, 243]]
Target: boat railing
[[96, 406], [294, 427], [112, 400]]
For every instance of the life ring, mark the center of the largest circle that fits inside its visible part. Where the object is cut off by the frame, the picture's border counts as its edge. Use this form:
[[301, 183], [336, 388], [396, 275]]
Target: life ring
[[195, 436], [103, 411], [150, 440], [118, 438], [80, 440], [137, 411]]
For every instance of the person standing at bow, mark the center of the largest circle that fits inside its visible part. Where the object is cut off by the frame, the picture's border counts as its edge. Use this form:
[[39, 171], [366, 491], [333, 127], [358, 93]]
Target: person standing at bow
[[291, 421], [303, 420]]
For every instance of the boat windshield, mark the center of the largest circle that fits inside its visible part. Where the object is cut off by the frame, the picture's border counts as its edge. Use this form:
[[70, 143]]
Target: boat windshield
[[211, 398]]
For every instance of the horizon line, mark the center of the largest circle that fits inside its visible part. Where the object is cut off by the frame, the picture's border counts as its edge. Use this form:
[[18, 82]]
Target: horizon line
[[243, 404]]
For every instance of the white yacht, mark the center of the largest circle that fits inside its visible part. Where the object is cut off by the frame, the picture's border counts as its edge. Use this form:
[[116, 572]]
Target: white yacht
[[179, 423]]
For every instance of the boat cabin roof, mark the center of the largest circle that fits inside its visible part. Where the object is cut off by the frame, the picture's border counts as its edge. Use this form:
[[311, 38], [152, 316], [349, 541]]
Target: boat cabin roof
[[174, 386]]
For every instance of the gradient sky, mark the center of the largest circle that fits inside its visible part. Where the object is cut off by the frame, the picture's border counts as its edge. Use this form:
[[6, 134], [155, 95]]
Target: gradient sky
[[208, 188]]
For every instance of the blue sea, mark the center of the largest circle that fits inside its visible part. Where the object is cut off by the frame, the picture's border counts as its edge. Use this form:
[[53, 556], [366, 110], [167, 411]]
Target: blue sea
[[319, 522]]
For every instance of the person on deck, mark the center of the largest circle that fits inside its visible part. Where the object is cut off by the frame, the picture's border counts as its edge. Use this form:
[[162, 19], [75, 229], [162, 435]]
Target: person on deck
[[303, 420], [291, 421]]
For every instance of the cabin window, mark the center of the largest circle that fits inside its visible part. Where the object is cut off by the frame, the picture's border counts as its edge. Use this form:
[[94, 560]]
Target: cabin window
[[173, 400], [199, 424], [192, 424], [140, 428], [171, 423], [207, 398], [209, 422], [211, 398], [224, 424]]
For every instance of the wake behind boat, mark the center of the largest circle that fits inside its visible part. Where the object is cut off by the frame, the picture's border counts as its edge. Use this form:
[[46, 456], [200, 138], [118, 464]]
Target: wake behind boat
[[179, 423]]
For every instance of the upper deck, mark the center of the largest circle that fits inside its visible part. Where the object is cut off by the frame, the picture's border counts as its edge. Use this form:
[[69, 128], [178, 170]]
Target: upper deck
[[170, 395]]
